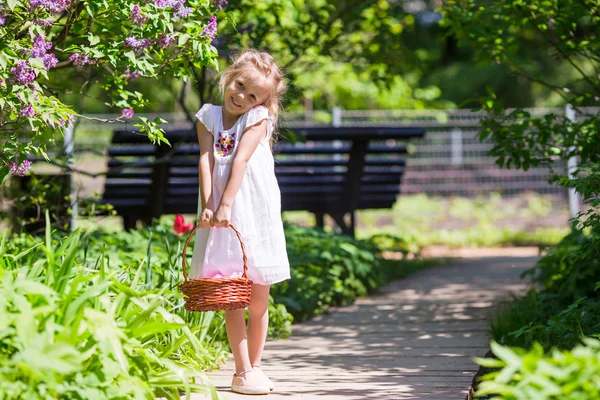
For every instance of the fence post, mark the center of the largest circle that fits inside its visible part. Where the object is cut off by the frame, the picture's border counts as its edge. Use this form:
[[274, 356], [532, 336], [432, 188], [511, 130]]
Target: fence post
[[308, 109], [571, 168], [457, 146], [69, 135], [336, 117]]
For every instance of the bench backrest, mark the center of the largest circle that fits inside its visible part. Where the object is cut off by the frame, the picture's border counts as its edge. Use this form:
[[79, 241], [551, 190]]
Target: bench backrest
[[330, 170]]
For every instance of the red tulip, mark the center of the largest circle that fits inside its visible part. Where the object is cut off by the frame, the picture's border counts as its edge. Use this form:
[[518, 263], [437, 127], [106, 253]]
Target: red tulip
[[179, 226]]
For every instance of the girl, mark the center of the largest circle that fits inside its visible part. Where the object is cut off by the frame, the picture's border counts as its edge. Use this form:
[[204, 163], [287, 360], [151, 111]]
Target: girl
[[238, 186]]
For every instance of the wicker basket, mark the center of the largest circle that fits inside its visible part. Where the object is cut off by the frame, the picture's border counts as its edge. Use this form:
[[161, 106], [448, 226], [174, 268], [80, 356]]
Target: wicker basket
[[211, 294]]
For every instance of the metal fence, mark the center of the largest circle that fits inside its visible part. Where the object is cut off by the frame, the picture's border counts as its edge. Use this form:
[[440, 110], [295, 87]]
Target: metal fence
[[449, 161]]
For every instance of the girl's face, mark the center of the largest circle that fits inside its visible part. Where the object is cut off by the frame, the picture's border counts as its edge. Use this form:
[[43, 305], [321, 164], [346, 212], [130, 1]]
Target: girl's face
[[242, 94]]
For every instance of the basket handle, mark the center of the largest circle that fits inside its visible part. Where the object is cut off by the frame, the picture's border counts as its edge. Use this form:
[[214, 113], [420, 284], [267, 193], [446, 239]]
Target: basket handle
[[191, 235]]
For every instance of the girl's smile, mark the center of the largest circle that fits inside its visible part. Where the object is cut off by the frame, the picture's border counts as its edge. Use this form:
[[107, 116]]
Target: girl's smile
[[236, 104]]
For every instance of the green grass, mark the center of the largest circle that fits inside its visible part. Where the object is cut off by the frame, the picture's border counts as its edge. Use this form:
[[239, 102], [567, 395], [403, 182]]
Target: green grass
[[420, 220]]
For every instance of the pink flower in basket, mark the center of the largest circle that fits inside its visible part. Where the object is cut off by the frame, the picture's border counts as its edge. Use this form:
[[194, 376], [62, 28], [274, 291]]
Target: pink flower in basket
[[179, 226]]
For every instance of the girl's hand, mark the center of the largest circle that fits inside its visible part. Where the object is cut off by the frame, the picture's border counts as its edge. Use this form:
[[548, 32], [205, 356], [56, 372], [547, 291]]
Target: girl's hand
[[206, 218], [222, 216]]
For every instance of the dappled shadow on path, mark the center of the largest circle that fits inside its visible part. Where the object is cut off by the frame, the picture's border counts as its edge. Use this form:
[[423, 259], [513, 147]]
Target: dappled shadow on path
[[413, 340]]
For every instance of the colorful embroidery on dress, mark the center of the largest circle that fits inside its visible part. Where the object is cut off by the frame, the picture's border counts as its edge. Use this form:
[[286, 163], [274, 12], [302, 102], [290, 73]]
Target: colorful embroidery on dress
[[225, 144]]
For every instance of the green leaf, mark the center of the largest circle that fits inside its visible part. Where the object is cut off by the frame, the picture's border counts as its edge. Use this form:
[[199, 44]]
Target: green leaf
[[183, 39], [37, 62], [12, 4], [489, 362], [506, 354], [130, 55], [93, 39]]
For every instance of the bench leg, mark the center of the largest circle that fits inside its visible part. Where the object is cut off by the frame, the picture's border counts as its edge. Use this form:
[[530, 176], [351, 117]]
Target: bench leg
[[129, 222], [345, 228], [320, 219]]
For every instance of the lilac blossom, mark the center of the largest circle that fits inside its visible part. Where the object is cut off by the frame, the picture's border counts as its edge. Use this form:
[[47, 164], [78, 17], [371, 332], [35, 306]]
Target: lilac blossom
[[210, 30], [62, 122], [40, 46], [220, 3], [55, 6], [165, 40], [22, 73], [138, 44], [32, 87], [19, 170], [50, 61], [2, 17], [137, 17], [127, 113], [175, 4], [184, 12], [44, 22], [131, 75], [81, 59], [27, 111]]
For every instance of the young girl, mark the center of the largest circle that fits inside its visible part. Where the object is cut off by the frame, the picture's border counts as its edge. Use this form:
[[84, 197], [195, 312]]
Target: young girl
[[238, 186]]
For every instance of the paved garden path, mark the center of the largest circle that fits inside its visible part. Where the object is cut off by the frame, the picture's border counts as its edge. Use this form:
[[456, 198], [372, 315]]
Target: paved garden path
[[413, 340]]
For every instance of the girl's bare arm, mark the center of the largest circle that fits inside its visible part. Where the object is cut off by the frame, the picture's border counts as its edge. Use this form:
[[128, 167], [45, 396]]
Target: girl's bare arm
[[205, 166]]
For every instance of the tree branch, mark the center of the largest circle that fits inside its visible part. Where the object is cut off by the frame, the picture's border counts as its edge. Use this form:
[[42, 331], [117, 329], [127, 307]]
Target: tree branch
[[565, 55]]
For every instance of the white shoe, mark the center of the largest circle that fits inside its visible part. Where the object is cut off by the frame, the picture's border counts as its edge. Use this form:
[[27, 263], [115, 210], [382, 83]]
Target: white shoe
[[249, 382], [257, 368]]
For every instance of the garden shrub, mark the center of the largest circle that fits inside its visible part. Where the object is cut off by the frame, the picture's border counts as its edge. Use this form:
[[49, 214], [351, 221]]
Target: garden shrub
[[537, 375], [70, 330]]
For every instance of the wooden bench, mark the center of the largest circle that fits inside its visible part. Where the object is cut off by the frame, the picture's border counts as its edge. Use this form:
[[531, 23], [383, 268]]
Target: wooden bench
[[333, 171]]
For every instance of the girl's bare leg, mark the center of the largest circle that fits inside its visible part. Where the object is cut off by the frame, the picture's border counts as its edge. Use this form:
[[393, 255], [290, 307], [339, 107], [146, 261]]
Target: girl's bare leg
[[236, 333], [258, 322]]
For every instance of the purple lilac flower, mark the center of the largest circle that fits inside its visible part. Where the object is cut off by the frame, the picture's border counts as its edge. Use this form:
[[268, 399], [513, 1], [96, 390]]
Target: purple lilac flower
[[131, 75], [44, 22], [127, 113], [184, 12], [2, 18], [27, 111], [33, 89], [137, 17], [40, 46], [175, 4], [55, 6], [220, 3], [50, 61], [138, 44], [19, 170], [210, 30], [81, 59], [22, 73], [165, 40], [62, 122]]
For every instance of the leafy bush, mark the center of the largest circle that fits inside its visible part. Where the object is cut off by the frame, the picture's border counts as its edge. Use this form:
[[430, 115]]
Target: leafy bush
[[571, 268], [535, 375], [546, 318], [71, 330]]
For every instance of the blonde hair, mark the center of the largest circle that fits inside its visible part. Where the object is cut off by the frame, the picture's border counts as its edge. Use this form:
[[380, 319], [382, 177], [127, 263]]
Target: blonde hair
[[246, 65]]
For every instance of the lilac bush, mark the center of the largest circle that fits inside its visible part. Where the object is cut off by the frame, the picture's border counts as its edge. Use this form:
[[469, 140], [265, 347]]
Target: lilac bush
[[90, 42]]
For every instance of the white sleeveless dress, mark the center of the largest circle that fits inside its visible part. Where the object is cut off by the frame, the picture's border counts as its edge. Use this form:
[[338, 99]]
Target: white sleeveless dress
[[255, 212]]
